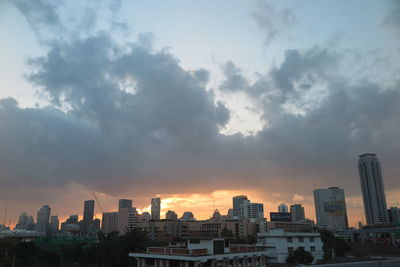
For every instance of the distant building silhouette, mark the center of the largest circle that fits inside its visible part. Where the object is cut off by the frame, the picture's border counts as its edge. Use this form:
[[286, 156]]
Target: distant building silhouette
[[188, 216], [88, 211], [283, 208], [124, 204], [155, 208], [43, 220], [171, 215], [54, 224], [237, 202], [297, 213], [373, 191]]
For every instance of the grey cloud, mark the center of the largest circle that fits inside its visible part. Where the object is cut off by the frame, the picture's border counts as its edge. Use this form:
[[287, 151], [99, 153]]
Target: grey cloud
[[42, 16], [302, 70], [163, 136], [272, 19], [392, 19], [235, 81]]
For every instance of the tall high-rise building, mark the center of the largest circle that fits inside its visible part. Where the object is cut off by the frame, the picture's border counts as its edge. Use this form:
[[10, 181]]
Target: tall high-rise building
[[43, 220], [54, 224], [250, 210], [237, 202], [88, 211], [297, 213], [124, 204], [372, 188], [109, 222], [330, 208], [155, 208], [23, 221], [283, 208]]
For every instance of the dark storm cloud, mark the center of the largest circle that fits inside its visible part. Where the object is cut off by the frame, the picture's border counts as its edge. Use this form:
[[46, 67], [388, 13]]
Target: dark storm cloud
[[134, 119], [272, 19]]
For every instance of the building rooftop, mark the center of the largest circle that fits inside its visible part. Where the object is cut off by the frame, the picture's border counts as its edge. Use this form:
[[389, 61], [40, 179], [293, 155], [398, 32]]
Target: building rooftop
[[367, 155]]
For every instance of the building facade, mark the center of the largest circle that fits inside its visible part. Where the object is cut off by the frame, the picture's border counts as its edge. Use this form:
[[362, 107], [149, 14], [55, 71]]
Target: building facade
[[237, 201], [54, 224], [373, 192], [394, 215], [155, 208], [109, 222], [297, 213], [250, 210], [124, 204], [202, 253], [43, 220], [283, 208], [88, 211], [330, 208], [279, 244]]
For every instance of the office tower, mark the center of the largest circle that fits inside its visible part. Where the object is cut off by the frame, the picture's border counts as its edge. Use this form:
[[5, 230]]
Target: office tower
[[54, 224], [96, 224], [126, 213], [109, 222], [88, 211], [372, 188], [330, 208], [394, 215], [133, 220], [155, 209], [171, 215], [22, 221], [250, 210], [283, 208], [297, 213], [124, 204], [237, 202], [30, 224], [43, 219], [187, 216]]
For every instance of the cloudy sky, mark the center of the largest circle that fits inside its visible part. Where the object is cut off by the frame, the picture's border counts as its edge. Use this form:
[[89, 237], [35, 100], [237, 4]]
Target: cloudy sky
[[195, 101]]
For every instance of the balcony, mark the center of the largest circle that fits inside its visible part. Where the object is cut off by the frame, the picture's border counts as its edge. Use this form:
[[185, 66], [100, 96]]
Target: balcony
[[177, 251]]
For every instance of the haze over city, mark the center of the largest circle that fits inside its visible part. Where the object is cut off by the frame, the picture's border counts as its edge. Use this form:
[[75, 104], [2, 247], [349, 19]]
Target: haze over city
[[195, 102]]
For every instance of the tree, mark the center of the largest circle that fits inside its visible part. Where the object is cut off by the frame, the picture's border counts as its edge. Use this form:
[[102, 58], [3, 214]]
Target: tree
[[341, 247], [333, 245], [227, 234], [300, 256]]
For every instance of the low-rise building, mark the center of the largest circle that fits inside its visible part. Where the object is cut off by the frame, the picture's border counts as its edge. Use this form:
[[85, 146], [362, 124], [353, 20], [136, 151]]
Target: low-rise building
[[290, 226], [279, 244], [202, 253]]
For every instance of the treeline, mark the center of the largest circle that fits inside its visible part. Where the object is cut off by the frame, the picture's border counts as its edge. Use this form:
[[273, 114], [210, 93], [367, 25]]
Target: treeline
[[110, 250]]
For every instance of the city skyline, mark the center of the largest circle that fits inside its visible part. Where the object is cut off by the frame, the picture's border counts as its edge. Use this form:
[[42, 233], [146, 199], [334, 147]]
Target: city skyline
[[195, 103]]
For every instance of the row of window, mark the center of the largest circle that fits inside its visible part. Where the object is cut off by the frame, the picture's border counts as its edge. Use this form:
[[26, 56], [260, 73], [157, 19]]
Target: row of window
[[301, 239], [290, 249]]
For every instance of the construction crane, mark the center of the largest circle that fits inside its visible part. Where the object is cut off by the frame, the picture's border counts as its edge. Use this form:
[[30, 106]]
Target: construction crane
[[97, 202], [5, 217]]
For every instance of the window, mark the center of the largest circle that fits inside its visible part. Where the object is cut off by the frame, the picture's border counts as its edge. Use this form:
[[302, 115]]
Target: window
[[312, 239], [290, 249], [312, 249], [301, 239], [290, 239]]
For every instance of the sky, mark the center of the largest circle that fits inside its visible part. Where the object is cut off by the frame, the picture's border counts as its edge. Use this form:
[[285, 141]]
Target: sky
[[195, 102]]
